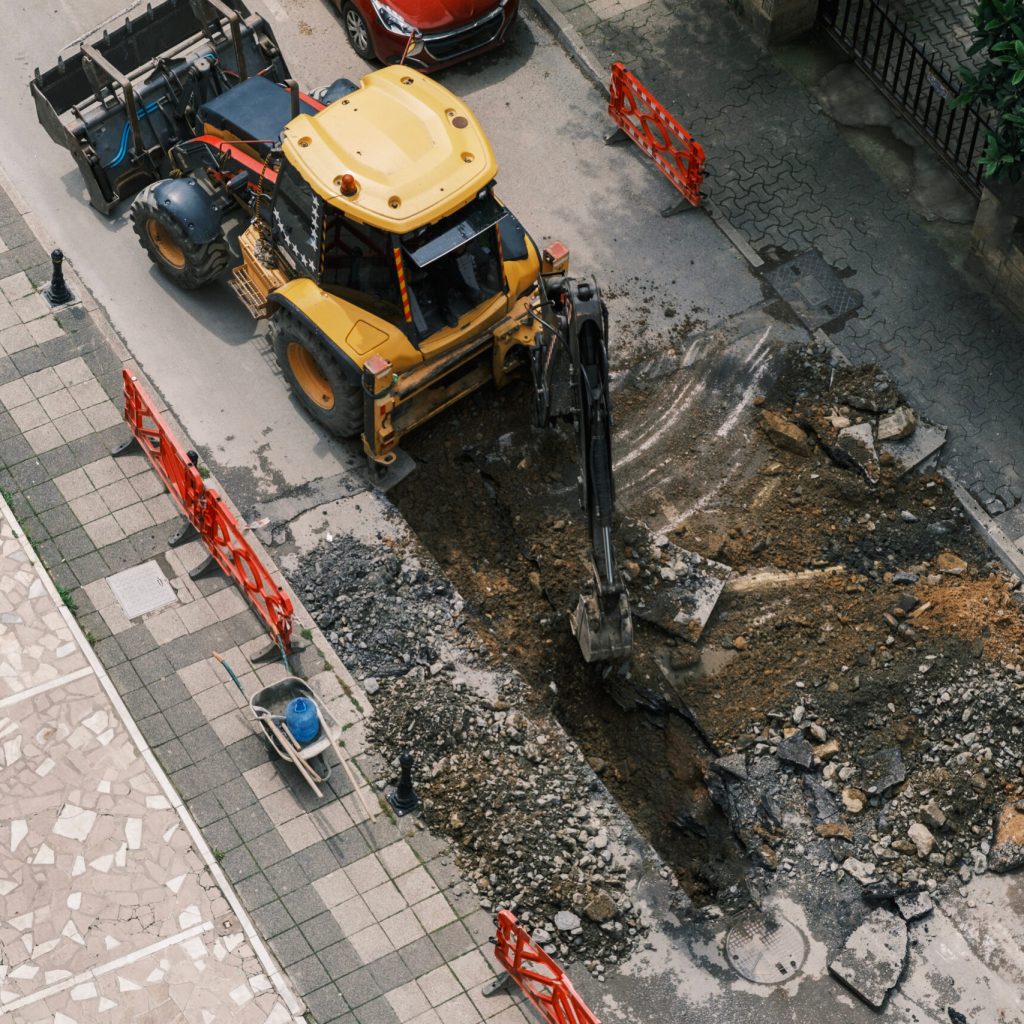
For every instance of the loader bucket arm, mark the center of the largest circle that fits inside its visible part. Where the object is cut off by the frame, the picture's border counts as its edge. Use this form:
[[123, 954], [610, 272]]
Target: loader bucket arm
[[125, 96], [571, 379]]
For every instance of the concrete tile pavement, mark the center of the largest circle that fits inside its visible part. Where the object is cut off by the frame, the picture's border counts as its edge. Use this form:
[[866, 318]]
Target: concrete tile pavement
[[361, 915]]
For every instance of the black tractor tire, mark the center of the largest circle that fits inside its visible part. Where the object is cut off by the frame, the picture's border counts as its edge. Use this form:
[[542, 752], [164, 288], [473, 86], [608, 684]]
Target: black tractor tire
[[316, 376], [188, 264], [357, 32]]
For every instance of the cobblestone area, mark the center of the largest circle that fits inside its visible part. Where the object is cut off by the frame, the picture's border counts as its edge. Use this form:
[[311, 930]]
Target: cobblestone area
[[782, 174], [943, 26], [361, 915]]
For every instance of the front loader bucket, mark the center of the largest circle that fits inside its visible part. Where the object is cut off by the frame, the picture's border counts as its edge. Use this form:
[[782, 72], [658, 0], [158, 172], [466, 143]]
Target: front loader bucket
[[603, 627], [127, 95]]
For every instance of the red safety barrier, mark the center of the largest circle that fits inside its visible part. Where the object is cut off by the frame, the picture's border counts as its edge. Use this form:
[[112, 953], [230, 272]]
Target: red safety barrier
[[640, 116], [204, 508], [544, 983]]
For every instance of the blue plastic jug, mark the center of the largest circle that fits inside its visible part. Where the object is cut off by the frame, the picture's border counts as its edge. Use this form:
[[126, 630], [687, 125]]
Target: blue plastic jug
[[301, 718]]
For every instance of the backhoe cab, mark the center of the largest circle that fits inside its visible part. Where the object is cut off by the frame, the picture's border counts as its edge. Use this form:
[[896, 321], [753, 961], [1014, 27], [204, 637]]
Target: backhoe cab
[[360, 221]]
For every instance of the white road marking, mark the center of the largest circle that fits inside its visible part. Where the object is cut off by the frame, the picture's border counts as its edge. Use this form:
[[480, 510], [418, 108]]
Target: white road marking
[[34, 691], [112, 965]]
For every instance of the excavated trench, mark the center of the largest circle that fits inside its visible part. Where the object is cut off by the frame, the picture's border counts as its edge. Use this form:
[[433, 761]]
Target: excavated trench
[[494, 501]]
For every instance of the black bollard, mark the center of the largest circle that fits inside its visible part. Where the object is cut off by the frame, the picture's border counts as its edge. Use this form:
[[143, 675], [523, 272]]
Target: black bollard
[[58, 293], [403, 797]]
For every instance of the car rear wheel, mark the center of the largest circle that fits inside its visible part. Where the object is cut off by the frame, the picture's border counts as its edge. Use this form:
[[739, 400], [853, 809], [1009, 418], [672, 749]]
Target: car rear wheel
[[357, 31], [316, 377]]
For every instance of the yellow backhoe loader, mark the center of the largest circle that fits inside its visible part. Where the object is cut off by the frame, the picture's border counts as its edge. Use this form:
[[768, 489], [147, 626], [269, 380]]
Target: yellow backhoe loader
[[361, 221]]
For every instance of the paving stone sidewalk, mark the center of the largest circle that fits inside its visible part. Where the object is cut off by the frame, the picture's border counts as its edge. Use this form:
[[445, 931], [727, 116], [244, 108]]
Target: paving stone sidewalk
[[108, 911], [782, 174], [362, 916]]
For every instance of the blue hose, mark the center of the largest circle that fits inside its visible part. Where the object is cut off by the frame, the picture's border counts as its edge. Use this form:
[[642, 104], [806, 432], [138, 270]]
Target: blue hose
[[126, 134]]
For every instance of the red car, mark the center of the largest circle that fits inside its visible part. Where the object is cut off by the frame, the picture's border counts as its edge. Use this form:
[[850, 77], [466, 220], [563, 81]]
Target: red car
[[443, 31]]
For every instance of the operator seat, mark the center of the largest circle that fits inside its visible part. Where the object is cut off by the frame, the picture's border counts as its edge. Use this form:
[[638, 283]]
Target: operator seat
[[254, 111]]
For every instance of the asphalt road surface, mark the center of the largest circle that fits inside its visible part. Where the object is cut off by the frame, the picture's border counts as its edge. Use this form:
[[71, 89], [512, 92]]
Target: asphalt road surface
[[204, 352]]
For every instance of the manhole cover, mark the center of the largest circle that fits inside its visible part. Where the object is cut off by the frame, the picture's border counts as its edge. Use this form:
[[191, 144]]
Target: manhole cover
[[812, 289], [142, 589], [766, 949]]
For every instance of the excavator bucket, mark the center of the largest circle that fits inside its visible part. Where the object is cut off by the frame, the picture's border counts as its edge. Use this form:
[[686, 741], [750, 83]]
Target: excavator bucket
[[126, 95], [603, 633]]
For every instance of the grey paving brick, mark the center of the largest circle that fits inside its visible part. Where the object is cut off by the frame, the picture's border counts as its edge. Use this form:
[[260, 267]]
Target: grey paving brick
[[124, 676], [325, 1003], [251, 821], [453, 940], [239, 864], [256, 892], [58, 520], [377, 1011], [172, 756], [141, 706], [340, 959], [272, 919], [359, 988], [317, 861], [136, 641], [183, 717], [390, 971], [237, 794], [348, 846], [206, 809], [421, 956], [249, 752], [216, 769], [219, 832], [291, 946], [322, 931], [152, 667], [74, 544], [304, 903], [286, 876], [202, 742], [168, 691], [269, 849], [309, 974]]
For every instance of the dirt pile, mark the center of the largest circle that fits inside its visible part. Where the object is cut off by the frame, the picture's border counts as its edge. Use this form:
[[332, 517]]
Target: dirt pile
[[532, 828]]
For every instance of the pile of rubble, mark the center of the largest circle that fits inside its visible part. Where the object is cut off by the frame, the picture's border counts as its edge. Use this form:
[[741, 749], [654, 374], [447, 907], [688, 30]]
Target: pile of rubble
[[533, 829]]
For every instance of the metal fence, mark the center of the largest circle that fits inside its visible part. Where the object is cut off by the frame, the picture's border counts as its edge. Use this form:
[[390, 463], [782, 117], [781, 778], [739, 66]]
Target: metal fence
[[919, 86]]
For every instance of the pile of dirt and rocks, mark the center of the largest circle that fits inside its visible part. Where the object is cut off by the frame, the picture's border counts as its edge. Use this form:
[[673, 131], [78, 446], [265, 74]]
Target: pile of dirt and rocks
[[533, 829], [825, 673]]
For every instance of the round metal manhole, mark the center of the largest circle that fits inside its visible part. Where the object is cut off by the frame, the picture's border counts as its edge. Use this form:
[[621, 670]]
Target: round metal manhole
[[766, 949]]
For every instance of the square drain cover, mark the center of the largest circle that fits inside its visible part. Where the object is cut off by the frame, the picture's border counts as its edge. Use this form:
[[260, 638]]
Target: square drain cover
[[813, 290], [142, 589]]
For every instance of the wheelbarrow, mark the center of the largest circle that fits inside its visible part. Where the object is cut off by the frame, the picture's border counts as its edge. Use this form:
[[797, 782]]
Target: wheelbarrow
[[270, 706]]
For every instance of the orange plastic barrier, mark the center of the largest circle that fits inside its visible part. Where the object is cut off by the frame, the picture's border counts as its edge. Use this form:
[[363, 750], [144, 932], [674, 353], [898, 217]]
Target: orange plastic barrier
[[657, 133], [204, 508], [541, 979]]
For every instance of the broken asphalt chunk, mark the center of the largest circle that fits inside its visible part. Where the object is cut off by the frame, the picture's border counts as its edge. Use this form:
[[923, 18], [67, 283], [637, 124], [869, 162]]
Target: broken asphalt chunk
[[732, 766], [873, 958], [796, 750], [914, 905], [926, 440], [883, 770], [897, 425], [785, 435], [855, 447]]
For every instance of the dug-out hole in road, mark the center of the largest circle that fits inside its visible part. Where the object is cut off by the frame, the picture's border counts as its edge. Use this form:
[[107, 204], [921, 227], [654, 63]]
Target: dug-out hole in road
[[494, 501]]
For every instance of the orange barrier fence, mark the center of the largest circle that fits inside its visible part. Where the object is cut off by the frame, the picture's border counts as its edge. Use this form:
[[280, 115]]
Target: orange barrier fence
[[640, 116], [204, 508], [543, 982]]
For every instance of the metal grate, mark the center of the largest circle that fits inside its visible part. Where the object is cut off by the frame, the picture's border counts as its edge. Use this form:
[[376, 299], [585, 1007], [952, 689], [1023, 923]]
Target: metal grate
[[766, 949], [919, 85], [813, 290]]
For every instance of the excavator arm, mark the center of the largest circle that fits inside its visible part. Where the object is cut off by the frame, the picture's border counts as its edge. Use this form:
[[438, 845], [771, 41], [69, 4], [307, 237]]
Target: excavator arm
[[570, 374]]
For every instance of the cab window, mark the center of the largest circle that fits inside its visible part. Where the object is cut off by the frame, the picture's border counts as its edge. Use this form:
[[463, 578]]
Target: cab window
[[296, 222], [359, 265]]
